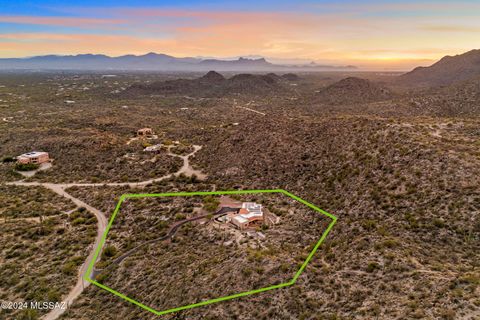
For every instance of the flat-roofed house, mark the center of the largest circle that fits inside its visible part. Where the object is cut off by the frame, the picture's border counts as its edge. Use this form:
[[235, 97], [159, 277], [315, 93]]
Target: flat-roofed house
[[154, 148], [145, 132], [36, 157], [249, 214]]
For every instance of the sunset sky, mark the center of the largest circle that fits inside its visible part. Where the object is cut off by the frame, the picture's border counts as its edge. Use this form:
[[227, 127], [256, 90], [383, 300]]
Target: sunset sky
[[369, 34]]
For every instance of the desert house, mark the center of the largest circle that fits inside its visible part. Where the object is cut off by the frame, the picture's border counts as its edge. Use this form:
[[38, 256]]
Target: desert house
[[249, 215], [36, 157], [154, 148], [145, 132]]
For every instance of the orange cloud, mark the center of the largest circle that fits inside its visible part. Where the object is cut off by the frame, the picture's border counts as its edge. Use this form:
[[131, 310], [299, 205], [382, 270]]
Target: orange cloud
[[48, 43], [373, 42]]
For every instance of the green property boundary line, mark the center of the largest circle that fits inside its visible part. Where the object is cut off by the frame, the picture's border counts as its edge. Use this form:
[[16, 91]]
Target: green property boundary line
[[204, 193]]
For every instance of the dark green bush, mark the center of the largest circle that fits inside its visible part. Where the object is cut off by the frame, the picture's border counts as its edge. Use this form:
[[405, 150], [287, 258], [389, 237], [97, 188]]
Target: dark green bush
[[8, 159], [26, 166], [109, 251]]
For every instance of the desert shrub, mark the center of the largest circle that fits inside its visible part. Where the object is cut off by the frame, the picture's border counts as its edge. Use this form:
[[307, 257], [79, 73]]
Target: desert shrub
[[439, 223], [180, 216], [372, 266], [210, 203], [284, 267], [447, 314], [54, 295], [109, 251], [78, 221], [369, 224], [389, 243], [101, 277], [247, 272], [69, 268], [28, 314], [8, 159], [26, 166], [259, 270]]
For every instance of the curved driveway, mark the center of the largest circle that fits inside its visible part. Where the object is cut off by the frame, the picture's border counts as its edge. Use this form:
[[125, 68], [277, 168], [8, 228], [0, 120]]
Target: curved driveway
[[59, 188]]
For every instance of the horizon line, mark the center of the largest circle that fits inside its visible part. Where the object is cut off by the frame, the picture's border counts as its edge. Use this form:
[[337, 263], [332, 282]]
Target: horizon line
[[252, 57]]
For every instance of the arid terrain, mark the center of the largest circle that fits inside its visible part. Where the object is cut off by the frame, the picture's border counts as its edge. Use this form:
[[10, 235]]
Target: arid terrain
[[44, 241], [396, 157]]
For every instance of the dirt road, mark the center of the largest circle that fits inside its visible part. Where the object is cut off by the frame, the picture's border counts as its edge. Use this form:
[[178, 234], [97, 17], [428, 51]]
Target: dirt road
[[59, 188], [81, 283], [171, 232], [186, 169]]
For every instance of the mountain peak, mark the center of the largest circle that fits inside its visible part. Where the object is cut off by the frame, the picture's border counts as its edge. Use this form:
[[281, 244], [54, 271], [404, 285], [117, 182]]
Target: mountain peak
[[213, 76], [257, 61], [447, 70]]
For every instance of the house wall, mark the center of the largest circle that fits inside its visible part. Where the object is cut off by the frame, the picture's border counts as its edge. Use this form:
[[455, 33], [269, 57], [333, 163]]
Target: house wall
[[39, 160], [246, 224], [23, 160], [252, 220], [146, 132], [236, 223]]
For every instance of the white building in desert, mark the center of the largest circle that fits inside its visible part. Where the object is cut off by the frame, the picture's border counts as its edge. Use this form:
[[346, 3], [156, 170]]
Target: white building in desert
[[250, 214], [36, 157]]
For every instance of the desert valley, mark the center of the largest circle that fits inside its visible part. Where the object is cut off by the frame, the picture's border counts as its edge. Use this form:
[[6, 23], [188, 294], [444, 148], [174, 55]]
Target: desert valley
[[394, 156]]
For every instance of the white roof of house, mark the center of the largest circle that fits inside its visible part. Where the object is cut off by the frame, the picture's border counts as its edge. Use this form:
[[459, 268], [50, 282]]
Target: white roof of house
[[251, 214], [240, 218], [33, 154], [153, 148], [254, 210]]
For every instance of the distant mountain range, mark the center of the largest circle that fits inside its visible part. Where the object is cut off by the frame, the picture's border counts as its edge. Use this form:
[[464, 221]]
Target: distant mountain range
[[154, 62], [446, 71]]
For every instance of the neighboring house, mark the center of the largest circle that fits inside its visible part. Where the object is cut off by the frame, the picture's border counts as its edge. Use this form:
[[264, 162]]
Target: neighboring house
[[37, 157], [248, 215], [145, 132], [154, 148]]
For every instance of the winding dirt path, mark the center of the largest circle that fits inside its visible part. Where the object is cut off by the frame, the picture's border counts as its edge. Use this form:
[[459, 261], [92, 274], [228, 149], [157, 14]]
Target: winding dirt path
[[81, 283], [102, 222], [170, 234], [186, 169]]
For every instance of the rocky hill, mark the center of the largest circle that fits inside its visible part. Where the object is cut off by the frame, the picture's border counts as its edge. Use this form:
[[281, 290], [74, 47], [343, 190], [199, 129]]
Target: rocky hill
[[290, 77], [448, 70], [353, 90], [246, 83], [459, 99], [212, 84], [212, 77]]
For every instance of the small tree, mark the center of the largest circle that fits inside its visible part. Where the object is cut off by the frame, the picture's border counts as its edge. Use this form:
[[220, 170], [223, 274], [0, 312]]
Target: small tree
[[8, 159], [109, 251]]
